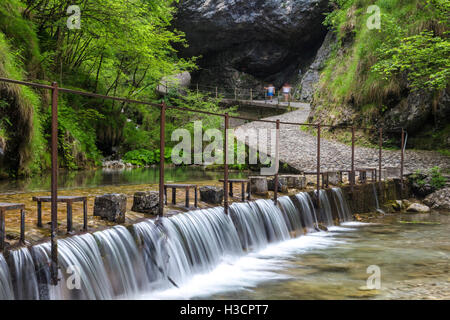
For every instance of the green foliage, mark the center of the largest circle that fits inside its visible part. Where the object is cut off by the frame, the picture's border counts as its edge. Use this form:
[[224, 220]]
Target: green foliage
[[124, 48], [434, 177], [425, 57], [366, 68], [437, 179], [143, 157]]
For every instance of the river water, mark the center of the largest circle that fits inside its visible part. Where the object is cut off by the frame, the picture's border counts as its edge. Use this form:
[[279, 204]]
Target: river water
[[412, 252], [110, 177], [260, 252]]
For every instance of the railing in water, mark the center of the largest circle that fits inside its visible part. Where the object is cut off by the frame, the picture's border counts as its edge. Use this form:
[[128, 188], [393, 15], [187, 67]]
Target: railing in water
[[163, 107]]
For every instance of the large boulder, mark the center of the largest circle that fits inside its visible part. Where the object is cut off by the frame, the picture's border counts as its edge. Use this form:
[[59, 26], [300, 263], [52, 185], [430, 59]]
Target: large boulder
[[417, 207], [111, 207], [267, 39], [439, 200], [211, 194], [146, 202]]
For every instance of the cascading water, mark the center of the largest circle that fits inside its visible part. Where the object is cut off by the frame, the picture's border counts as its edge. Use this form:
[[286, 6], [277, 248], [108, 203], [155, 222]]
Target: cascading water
[[26, 286], [6, 288], [292, 218], [123, 262], [78, 254], [325, 214], [161, 254], [307, 210], [341, 205], [258, 223], [375, 195]]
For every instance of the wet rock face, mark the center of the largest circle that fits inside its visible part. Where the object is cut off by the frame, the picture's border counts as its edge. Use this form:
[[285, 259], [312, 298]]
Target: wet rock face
[[312, 75], [265, 39]]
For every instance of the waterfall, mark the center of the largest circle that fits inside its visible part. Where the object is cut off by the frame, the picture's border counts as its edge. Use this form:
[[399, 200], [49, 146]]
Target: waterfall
[[206, 237], [307, 210], [375, 195], [160, 254], [83, 253], [325, 213], [258, 223], [6, 288], [291, 215], [123, 262], [341, 205], [164, 259], [26, 286]]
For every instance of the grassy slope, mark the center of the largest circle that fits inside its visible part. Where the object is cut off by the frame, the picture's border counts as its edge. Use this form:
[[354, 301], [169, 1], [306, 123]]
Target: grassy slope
[[347, 79]]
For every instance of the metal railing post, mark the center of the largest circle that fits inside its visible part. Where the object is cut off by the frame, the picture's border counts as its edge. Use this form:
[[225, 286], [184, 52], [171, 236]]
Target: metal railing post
[[352, 174], [54, 187], [318, 165], [380, 153], [277, 159], [225, 166], [162, 144], [402, 160]]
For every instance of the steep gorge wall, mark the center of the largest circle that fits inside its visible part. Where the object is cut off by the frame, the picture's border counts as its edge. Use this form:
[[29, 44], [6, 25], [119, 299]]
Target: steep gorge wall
[[247, 43]]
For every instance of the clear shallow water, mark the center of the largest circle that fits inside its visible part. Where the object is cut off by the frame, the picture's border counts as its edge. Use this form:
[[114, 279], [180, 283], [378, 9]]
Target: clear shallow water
[[413, 258], [108, 177]]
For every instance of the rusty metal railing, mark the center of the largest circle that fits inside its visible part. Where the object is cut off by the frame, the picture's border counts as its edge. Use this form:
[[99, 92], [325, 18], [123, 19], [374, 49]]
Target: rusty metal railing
[[163, 107]]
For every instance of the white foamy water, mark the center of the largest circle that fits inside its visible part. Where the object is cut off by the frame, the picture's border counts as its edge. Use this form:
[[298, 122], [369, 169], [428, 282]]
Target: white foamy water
[[249, 271]]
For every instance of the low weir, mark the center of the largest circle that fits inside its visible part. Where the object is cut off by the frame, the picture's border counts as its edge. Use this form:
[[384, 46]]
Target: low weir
[[120, 262]]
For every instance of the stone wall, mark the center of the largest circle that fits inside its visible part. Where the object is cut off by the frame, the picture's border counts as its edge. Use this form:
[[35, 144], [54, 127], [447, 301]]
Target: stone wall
[[363, 200]]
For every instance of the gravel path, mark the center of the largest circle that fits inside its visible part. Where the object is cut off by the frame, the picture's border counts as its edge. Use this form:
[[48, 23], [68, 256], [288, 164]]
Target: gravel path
[[298, 149]]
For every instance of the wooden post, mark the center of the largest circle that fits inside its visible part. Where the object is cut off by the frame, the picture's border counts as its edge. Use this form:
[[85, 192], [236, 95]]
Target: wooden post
[[235, 93], [225, 166], [162, 135], [217, 93], [251, 94], [54, 187], [197, 90]]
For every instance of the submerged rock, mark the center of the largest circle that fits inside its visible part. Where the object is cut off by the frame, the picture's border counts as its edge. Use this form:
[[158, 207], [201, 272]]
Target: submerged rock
[[111, 207], [417, 207]]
